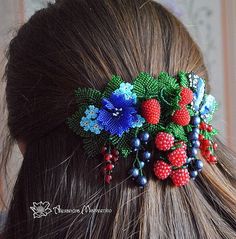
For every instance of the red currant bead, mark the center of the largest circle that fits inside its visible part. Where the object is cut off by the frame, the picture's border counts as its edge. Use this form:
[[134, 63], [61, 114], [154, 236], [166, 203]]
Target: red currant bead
[[107, 157], [115, 152], [212, 159], [215, 146], [206, 142], [109, 167], [108, 178], [104, 150], [103, 170], [202, 126], [209, 128], [207, 153], [201, 137], [115, 158]]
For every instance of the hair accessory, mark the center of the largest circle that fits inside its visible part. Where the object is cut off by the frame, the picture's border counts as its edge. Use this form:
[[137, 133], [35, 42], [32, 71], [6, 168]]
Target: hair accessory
[[159, 121]]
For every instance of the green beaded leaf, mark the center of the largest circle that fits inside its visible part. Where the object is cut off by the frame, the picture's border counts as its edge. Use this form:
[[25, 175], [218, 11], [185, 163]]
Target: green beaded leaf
[[74, 123], [190, 110], [87, 96], [183, 79], [168, 93], [177, 131], [153, 129], [94, 144], [123, 143], [112, 85], [209, 135], [145, 86], [188, 128]]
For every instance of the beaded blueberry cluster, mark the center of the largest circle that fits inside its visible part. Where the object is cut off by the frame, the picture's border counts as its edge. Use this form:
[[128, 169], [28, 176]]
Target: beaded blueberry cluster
[[160, 121]]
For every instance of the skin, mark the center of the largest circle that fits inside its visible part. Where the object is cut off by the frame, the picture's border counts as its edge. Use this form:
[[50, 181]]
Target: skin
[[22, 146]]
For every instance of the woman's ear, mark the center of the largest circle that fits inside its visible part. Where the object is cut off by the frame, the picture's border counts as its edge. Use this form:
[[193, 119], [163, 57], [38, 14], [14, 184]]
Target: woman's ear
[[22, 146]]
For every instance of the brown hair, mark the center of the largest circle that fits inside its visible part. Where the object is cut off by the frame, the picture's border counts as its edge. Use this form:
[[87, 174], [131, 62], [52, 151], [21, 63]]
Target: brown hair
[[77, 43]]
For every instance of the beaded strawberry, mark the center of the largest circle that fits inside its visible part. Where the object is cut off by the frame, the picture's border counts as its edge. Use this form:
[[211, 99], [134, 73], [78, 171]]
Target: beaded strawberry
[[151, 111], [181, 116], [186, 96]]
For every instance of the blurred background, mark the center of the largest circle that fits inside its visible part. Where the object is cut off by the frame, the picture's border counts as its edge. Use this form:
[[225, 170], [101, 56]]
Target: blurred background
[[211, 23]]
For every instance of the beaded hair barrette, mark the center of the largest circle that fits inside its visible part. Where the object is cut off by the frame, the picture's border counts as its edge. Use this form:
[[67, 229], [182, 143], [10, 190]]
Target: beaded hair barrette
[[160, 121]]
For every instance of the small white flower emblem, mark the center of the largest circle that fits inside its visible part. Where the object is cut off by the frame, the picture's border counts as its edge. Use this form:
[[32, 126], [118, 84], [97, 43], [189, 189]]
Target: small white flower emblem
[[40, 209]]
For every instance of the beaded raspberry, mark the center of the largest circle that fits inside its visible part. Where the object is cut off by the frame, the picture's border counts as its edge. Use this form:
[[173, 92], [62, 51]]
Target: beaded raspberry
[[162, 170], [180, 144], [186, 96], [177, 157], [164, 141], [180, 177], [151, 111], [181, 116]]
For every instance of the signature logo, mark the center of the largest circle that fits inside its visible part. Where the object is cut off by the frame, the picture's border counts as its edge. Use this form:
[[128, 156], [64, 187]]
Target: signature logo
[[40, 209]]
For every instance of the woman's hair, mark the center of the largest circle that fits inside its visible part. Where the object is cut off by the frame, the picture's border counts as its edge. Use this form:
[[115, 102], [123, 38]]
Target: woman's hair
[[78, 43]]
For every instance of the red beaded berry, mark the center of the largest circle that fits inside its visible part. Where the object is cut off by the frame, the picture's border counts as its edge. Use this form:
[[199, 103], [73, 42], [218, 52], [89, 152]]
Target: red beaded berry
[[180, 177], [181, 116], [108, 178], [109, 167], [186, 96], [212, 159], [209, 128], [151, 111], [215, 146], [164, 141], [104, 150], [162, 170], [108, 157], [181, 144], [177, 157], [201, 137], [203, 126]]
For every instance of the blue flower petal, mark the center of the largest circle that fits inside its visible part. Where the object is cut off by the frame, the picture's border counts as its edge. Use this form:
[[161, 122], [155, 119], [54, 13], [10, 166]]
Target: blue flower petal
[[208, 108], [91, 112], [107, 104], [198, 86], [117, 114]]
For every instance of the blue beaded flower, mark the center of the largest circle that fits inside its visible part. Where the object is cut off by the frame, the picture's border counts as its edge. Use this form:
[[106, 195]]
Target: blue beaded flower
[[89, 122], [198, 86], [91, 112], [208, 108], [95, 127], [139, 122], [118, 114], [126, 89], [85, 123]]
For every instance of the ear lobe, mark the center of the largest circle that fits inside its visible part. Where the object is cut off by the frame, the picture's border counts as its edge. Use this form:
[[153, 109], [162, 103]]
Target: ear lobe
[[22, 146]]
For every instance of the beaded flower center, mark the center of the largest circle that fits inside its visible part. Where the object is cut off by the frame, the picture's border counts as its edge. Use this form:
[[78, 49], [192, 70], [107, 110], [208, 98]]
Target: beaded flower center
[[117, 112]]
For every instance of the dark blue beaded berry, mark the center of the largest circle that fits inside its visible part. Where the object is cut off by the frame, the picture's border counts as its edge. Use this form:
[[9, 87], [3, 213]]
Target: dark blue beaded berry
[[196, 143], [134, 172], [193, 174], [193, 135], [189, 159], [196, 130], [144, 136], [142, 180], [135, 143], [192, 152], [146, 155], [140, 164], [195, 120], [198, 164]]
